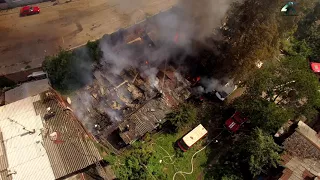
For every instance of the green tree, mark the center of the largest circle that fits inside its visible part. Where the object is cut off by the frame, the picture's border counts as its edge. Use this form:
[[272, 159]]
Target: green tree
[[139, 163], [262, 113], [57, 68], [288, 83], [263, 152], [309, 31], [252, 35], [69, 70], [94, 50], [183, 115], [250, 156], [223, 172]]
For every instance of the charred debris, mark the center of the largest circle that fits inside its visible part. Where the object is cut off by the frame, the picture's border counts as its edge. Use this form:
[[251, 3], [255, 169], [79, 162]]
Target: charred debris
[[119, 108]]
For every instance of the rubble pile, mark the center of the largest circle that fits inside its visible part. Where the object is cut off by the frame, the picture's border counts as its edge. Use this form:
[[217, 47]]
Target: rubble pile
[[135, 100]]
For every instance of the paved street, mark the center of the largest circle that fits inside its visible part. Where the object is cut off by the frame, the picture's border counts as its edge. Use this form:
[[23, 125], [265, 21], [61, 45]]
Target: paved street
[[25, 41]]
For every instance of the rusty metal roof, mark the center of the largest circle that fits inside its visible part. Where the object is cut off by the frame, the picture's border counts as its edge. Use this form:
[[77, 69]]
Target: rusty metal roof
[[74, 150]]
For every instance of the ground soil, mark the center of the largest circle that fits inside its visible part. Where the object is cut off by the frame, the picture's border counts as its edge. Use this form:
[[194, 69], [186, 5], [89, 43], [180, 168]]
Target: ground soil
[[25, 41]]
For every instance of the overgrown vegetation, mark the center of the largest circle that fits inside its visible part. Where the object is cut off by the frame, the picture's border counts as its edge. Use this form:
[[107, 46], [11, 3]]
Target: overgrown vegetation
[[280, 91], [283, 89], [158, 158], [95, 52], [69, 70], [183, 115], [308, 31], [253, 154]]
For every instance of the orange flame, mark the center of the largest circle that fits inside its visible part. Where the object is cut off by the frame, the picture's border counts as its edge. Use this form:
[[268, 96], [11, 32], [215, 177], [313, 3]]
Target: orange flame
[[176, 38]]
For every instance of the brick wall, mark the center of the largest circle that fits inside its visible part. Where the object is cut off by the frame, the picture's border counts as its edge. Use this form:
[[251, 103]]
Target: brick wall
[[298, 146], [286, 174]]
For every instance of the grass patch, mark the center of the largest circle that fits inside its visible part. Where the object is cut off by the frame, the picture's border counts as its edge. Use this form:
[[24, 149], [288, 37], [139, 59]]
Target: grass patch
[[181, 161], [163, 147]]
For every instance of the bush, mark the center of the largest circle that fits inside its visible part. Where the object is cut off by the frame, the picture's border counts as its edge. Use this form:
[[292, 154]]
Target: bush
[[95, 52], [184, 114], [69, 70]]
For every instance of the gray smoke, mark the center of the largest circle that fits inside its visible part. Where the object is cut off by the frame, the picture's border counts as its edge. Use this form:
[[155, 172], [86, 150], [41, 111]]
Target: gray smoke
[[175, 32], [80, 104], [210, 84], [116, 61]]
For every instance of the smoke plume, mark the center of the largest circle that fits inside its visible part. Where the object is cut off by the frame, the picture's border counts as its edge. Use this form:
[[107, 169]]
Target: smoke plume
[[176, 30]]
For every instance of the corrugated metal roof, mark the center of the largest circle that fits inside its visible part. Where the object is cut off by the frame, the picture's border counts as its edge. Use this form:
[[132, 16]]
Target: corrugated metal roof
[[146, 119], [25, 90], [3, 161], [75, 152], [26, 155]]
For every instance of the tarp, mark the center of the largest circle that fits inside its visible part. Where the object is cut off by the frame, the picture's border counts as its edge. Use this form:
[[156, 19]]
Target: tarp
[[315, 67]]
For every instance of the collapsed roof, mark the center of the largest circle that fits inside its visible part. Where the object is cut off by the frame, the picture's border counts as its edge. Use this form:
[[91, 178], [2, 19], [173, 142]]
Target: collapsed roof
[[129, 100]]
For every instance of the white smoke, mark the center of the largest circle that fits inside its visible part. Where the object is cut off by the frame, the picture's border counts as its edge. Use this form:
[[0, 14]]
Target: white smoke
[[117, 61], [210, 84], [81, 104], [176, 30]]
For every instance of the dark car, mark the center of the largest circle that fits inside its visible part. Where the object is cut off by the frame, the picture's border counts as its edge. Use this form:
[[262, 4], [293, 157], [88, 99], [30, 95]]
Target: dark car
[[29, 10], [235, 121]]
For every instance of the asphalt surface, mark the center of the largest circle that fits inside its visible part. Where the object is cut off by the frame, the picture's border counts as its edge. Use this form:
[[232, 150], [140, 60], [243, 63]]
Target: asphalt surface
[[25, 41]]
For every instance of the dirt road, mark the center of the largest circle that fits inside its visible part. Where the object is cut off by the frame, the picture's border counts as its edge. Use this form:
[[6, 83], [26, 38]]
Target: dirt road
[[25, 41]]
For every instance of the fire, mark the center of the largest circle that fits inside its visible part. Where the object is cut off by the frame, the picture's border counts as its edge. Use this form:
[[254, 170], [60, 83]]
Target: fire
[[176, 38], [198, 79], [147, 62]]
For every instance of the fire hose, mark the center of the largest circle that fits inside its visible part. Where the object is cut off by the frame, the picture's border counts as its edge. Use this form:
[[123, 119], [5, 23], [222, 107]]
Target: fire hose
[[191, 161]]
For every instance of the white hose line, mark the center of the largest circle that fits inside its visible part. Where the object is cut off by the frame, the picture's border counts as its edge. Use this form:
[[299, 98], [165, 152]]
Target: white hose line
[[191, 161], [181, 172], [170, 156]]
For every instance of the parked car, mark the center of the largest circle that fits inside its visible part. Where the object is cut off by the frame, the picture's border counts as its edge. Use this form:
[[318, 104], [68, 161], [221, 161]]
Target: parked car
[[223, 92], [29, 10], [235, 121], [37, 75]]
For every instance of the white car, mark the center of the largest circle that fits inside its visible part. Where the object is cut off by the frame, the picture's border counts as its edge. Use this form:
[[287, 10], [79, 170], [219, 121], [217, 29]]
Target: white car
[[225, 90]]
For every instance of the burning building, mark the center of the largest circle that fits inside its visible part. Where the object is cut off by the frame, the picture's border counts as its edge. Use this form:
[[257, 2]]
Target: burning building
[[131, 91]]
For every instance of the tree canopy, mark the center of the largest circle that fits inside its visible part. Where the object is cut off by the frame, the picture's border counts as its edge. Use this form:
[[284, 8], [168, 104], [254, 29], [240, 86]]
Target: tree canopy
[[280, 91], [262, 113], [309, 31], [252, 35], [72, 69], [247, 158], [184, 114], [289, 83], [263, 152], [139, 164]]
